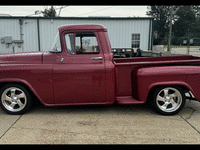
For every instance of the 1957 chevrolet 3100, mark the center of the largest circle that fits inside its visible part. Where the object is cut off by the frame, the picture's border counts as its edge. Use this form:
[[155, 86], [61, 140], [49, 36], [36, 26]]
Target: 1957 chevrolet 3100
[[80, 70]]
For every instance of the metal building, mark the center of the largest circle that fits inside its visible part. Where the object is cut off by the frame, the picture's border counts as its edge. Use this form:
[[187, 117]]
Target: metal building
[[21, 34]]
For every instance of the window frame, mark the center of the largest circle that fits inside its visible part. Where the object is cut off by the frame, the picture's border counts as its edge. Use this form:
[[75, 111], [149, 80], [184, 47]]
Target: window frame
[[135, 39]]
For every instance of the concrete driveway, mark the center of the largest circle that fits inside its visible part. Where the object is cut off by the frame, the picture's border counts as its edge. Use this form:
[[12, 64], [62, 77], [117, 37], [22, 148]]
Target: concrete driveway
[[123, 124]]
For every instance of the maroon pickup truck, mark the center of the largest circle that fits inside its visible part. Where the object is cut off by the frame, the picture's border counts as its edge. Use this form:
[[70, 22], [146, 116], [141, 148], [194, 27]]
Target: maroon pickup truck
[[80, 70]]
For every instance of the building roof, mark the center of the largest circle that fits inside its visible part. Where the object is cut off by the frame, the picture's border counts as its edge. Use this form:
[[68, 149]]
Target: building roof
[[83, 18]]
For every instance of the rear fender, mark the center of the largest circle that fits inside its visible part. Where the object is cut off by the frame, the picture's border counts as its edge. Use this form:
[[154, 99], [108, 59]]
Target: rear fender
[[177, 83], [146, 78], [144, 95]]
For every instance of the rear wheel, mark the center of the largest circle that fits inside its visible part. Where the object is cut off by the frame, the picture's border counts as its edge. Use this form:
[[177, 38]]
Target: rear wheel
[[169, 100], [15, 99]]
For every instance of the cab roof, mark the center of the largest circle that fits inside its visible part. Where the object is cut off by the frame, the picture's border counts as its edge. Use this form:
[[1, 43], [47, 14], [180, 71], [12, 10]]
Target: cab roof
[[82, 27]]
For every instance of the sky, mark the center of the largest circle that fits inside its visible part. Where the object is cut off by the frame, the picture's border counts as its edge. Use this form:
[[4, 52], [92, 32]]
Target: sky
[[79, 11]]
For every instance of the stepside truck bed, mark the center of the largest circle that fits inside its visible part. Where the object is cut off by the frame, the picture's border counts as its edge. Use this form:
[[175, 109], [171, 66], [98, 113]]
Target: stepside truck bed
[[125, 67]]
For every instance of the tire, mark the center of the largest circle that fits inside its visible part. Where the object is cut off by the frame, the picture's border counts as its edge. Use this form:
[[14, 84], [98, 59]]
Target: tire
[[169, 100], [15, 99]]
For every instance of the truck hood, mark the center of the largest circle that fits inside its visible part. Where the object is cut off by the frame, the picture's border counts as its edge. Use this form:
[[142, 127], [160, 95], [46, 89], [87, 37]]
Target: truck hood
[[22, 57]]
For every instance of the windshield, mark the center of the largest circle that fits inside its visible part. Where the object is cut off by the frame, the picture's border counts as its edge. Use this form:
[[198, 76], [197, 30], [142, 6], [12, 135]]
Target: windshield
[[56, 46]]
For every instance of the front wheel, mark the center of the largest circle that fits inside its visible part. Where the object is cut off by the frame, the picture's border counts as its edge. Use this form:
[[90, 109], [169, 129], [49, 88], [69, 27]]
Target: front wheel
[[15, 99], [169, 100]]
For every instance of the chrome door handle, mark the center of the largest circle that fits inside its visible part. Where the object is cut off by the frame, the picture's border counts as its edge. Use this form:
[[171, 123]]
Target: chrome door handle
[[96, 58]]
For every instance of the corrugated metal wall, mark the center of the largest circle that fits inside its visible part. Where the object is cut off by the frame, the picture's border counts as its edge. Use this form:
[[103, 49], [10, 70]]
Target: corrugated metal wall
[[9, 27], [30, 35], [119, 31]]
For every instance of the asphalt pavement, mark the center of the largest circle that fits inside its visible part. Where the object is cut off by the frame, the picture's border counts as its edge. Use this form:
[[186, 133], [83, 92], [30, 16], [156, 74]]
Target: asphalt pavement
[[113, 124]]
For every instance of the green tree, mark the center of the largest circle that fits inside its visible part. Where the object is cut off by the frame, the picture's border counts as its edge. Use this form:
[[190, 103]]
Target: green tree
[[51, 12], [185, 25], [185, 22], [161, 15]]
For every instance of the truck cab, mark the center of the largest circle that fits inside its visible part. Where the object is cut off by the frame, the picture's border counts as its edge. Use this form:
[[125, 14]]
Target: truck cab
[[83, 68]]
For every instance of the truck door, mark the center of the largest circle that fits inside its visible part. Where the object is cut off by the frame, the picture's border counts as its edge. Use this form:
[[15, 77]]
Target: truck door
[[79, 73]]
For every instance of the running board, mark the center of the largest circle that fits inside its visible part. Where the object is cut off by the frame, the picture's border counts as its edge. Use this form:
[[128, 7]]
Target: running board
[[128, 100]]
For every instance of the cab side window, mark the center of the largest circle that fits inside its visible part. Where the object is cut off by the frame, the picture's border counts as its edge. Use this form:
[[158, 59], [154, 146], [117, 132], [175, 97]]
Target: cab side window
[[86, 43], [81, 43]]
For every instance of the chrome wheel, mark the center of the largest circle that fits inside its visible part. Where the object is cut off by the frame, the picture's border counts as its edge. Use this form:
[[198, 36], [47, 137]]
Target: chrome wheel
[[169, 99], [14, 99]]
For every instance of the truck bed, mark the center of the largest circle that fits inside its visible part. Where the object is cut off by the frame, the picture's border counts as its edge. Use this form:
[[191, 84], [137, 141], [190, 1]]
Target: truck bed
[[124, 69]]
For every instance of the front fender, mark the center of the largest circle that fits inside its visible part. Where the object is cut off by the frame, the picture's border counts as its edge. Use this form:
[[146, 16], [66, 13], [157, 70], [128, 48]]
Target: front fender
[[37, 77], [147, 78], [17, 80]]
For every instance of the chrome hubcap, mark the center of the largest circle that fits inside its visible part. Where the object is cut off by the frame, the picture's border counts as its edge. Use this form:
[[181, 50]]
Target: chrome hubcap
[[169, 99], [14, 99]]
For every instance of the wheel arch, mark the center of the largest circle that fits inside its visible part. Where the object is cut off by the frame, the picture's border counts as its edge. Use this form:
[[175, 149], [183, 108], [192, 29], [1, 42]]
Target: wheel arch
[[181, 84], [23, 83]]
